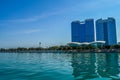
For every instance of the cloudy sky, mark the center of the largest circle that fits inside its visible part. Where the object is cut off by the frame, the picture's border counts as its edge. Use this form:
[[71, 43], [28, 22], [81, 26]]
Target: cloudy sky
[[25, 23]]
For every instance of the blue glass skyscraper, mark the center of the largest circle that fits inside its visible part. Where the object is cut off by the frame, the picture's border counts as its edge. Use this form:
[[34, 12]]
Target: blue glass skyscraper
[[89, 30], [83, 31], [106, 31]]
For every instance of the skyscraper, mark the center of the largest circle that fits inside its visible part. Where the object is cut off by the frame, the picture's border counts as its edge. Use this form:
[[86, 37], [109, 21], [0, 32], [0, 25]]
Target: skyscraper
[[106, 31], [89, 30], [83, 31]]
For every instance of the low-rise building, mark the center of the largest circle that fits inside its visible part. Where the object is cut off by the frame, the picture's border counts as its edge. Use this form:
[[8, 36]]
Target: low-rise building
[[95, 43]]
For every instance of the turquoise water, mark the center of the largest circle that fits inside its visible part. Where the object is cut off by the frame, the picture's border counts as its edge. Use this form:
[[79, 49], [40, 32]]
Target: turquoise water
[[59, 66]]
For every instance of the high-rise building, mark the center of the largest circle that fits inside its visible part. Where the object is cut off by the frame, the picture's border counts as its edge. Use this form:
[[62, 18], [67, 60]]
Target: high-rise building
[[106, 31], [83, 31], [89, 30]]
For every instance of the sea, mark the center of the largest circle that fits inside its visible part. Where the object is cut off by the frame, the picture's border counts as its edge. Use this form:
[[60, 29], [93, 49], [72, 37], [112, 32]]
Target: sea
[[59, 66]]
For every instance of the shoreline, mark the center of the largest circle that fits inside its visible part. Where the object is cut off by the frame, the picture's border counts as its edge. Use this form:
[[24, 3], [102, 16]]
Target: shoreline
[[64, 51]]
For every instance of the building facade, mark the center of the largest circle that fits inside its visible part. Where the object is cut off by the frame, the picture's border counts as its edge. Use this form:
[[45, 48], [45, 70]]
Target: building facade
[[82, 31], [106, 31]]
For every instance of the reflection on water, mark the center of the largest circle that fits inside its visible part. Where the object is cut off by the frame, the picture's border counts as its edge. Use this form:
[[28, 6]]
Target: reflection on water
[[59, 66], [96, 66], [83, 66]]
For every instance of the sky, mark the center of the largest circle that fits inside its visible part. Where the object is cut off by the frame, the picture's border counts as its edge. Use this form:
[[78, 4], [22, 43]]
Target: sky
[[25, 23]]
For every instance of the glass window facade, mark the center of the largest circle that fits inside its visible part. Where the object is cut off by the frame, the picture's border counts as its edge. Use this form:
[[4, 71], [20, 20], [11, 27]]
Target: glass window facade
[[82, 31], [106, 31]]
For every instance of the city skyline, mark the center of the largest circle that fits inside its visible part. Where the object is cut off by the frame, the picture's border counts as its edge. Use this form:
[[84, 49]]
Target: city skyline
[[25, 23], [91, 31]]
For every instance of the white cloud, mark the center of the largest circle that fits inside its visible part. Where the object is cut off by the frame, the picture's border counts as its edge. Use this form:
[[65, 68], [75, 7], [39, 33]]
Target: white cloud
[[80, 6], [30, 31], [34, 18], [25, 32]]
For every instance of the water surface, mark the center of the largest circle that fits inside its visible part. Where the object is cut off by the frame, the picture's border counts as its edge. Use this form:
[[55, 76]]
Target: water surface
[[59, 66]]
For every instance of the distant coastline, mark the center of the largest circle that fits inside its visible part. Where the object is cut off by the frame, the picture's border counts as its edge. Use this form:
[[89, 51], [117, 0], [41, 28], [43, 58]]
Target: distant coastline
[[66, 51]]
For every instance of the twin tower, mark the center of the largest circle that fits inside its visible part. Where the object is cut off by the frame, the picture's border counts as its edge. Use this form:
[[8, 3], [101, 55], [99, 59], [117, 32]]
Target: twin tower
[[86, 31]]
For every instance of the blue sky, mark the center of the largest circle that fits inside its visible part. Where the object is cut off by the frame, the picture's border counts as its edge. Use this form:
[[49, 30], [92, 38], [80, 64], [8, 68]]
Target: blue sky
[[25, 23]]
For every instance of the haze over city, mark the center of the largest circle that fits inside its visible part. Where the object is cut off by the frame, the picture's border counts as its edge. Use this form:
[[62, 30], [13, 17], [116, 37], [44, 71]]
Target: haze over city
[[25, 23]]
